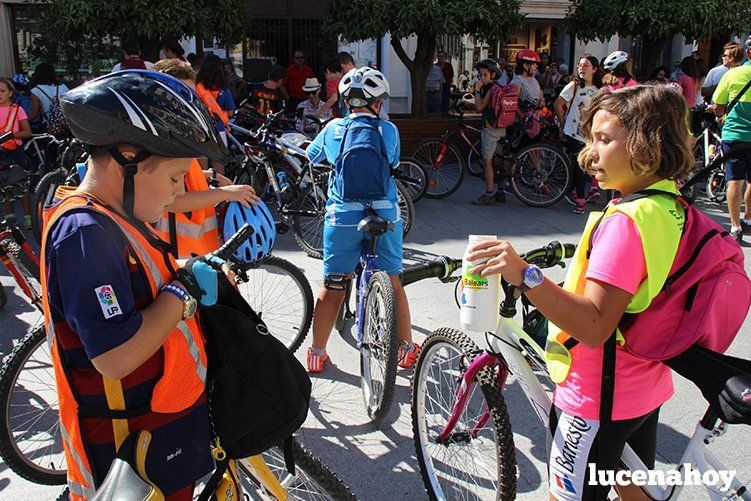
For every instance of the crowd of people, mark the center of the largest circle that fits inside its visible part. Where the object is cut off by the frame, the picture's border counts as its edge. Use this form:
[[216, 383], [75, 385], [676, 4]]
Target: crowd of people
[[127, 349]]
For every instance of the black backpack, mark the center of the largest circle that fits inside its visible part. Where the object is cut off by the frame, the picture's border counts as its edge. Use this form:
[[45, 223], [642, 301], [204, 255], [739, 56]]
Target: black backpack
[[257, 390]]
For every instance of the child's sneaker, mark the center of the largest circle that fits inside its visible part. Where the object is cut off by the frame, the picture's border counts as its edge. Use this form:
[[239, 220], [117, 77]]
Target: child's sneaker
[[485, 199], [571, 197], [579, 204], [316, 361], [593, 194], [408, 356], [500, 196]]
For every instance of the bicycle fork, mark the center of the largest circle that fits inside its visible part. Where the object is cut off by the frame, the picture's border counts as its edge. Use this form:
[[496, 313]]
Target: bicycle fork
[[448, 435]]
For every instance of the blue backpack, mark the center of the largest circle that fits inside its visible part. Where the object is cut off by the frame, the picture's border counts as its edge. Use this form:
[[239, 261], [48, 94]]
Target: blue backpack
[[362, 171]]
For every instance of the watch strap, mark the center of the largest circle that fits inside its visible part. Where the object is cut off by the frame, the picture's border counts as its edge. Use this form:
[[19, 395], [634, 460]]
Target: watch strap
[[177, 291]]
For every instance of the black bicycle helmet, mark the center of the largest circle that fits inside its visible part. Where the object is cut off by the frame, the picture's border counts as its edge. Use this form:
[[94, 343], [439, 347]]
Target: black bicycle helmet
[[490, 65], [151, 111]]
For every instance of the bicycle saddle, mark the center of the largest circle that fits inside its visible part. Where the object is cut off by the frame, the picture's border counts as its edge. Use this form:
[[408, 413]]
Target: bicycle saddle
[[373, 224], [125, 480]]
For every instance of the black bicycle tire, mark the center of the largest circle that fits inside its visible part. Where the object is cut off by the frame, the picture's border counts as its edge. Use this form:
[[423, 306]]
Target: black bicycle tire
[[488, 381], [408, 214], [307, 293], [3, 296], [716, 196], [382, 280], [317, 471], [39, 197], [569, 175], [8, 377], [471, 153], [418, 193], [307, 247], [456, 152], [21, 258]]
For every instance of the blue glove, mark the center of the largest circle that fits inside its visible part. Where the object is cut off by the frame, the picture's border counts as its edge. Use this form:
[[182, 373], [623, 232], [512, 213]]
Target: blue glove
[[200, 277]]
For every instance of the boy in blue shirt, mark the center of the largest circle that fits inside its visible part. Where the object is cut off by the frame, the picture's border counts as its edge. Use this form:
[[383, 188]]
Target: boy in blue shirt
[[363, 91]]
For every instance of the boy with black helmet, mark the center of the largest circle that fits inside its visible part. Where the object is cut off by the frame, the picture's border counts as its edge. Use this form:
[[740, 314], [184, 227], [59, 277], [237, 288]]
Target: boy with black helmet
[[127, 351]]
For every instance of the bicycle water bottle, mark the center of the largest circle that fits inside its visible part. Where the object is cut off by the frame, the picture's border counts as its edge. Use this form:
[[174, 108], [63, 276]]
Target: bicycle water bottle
[[480, 298], [281, 177]]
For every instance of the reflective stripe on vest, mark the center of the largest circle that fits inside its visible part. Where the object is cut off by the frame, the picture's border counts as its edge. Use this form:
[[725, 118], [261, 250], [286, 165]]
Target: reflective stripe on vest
[[196, 231], [659, 221], [183, 380]]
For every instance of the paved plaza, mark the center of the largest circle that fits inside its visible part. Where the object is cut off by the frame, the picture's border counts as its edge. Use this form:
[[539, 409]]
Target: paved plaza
[[379, 463]]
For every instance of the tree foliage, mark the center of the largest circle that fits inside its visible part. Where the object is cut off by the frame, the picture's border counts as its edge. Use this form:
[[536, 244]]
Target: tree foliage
[[73, 21], [427, 20], [656, 20]]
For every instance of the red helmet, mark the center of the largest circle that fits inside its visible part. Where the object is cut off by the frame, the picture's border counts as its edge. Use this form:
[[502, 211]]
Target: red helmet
[[528, 56]]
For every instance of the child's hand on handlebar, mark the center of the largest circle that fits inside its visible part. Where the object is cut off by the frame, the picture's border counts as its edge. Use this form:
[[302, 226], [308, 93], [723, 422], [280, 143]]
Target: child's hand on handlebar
[[502, 260], [243, 193]]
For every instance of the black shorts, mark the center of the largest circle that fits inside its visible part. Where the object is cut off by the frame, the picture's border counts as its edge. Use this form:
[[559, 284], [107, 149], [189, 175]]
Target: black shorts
[[579, 442], [737, 166]]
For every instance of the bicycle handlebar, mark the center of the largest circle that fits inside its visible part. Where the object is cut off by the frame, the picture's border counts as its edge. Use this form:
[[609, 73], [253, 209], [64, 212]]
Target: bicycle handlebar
[[441, 267], [230, 246]]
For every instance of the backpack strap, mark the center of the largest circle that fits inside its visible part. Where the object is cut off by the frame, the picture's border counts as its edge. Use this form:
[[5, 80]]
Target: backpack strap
[[213, 482], [607, 391], [8, 127]]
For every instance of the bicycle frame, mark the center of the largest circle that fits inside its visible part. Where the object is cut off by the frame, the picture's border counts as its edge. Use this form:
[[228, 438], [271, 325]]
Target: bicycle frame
[[12, 231], [513, 351], [364, 271]]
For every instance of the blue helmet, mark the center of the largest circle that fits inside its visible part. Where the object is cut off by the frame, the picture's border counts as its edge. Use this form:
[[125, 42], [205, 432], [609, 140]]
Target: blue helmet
[[264, 230]]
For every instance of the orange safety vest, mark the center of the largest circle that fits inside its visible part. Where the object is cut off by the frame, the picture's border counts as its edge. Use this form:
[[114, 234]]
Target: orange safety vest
[[209, 99], [194, 232], [183, 380]]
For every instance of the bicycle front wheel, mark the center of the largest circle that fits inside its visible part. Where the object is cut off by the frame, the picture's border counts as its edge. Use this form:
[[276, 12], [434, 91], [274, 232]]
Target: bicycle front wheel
[[309, 228], [417, 186], [444, 164], [380, 346], [716, 186], [541, 175], [279, 292], [478, 461], [474, 160], [313, 480], [406, 208], [30, 440]]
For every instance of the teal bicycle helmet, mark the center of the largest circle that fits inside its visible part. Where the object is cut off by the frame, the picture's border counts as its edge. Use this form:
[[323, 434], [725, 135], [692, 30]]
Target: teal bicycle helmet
[[259, 218]]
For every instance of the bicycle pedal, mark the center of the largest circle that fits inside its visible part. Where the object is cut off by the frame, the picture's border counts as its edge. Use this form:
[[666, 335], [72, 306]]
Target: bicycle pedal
[[282, 227]]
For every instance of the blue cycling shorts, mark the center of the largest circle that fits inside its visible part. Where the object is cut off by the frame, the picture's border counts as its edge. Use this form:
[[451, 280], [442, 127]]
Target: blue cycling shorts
[[344, 244]]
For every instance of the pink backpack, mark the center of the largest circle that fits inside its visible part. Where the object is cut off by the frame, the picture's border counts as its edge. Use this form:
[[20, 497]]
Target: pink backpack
[[704, 300], [504, 102]]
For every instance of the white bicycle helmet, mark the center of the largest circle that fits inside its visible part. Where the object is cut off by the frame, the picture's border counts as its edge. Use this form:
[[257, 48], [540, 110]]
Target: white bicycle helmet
[[614, 59], [363, 86]]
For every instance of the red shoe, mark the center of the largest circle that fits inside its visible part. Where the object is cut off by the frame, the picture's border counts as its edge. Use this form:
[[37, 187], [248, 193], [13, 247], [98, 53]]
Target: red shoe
[[407, 357], [316, 362]]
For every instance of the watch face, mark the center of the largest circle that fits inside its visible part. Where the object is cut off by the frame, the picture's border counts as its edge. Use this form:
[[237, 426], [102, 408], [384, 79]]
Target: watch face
[[533, 276], [189, 307]]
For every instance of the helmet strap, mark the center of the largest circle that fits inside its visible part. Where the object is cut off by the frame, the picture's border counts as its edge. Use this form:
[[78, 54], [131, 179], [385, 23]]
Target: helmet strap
[[130, 168], [370, 109]]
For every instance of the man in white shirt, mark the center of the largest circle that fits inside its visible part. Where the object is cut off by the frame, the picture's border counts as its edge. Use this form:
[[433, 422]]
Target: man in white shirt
[[732, 55], [132, 58]]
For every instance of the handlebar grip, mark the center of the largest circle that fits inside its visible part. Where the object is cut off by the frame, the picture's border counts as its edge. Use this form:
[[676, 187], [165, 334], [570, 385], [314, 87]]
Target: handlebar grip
[[230, 246], [568, 250], [440, 267]]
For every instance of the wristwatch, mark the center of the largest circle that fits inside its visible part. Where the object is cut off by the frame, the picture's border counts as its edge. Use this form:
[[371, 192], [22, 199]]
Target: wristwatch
[[532, 278], [189, 302]]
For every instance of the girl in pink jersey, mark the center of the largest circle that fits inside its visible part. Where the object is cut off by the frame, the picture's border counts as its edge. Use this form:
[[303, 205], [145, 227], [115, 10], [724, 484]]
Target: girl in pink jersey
[[636, 139], [620, 67]]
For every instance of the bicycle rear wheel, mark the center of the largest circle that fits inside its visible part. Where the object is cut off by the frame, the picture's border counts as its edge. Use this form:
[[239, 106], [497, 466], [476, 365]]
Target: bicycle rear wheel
[[30, 440], [444, 165], [479, 461], [406, 208], [541, 175], [313, 480], [716, 186], [415, 170], [279, 292], [380, 346], [309, 229]]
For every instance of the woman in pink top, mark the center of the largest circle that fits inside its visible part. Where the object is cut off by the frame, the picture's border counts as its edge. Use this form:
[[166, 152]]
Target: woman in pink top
[[13, 119], [620, 67], [631, 253], [688, 80]]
